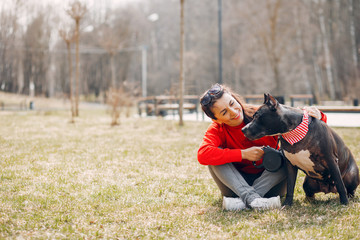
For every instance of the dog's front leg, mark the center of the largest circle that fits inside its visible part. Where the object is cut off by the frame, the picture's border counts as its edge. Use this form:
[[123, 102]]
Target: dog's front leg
[[336, 176], [291, 180]]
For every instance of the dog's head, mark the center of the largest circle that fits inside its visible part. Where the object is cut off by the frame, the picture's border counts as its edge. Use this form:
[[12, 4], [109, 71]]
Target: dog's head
[[268, 120]]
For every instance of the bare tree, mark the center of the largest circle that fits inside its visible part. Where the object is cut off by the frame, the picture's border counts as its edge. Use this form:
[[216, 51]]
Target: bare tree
[[326, 46], [11, 76], [114, 100], [353, 44], [271, 43], [264, 40], [113, 39], [352, 32], [36, 62], [68, 37], [119, 99], [76, 12]]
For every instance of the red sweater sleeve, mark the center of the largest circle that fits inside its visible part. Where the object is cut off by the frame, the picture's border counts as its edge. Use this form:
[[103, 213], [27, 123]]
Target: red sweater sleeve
[[211, 152]]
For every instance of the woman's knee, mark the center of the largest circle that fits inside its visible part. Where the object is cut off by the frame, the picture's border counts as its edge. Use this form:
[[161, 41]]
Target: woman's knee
[[225, 191]]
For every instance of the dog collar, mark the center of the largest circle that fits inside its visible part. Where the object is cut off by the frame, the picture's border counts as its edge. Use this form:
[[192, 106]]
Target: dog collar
[[299, 132]]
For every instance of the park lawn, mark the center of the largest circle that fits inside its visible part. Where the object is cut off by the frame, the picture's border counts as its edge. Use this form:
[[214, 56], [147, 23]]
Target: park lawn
[[138, 180]]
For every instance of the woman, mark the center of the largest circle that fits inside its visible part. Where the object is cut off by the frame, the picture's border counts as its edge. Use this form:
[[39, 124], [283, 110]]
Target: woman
[[229, 154]]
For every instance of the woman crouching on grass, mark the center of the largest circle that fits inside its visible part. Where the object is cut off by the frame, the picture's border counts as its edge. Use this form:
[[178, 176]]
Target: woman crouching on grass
[[229, 154]]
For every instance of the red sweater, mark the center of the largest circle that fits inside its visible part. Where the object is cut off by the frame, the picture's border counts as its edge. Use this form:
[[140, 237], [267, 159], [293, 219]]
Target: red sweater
[[222, 144]]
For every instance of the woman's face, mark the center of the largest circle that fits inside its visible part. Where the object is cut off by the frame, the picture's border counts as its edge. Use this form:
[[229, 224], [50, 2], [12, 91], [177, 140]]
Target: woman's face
[[228, 111]]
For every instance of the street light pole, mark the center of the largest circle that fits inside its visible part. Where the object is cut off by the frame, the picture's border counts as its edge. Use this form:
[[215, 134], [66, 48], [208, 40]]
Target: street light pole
[[144, 70], [220, 39], [182, 84]]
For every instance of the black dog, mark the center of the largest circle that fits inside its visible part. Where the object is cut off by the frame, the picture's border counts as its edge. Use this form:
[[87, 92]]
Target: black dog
[[310, 145]]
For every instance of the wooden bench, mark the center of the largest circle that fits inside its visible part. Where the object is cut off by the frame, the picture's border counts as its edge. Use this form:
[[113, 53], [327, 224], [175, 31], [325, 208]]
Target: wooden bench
[[305, 98], [160, 105], [13, 106]]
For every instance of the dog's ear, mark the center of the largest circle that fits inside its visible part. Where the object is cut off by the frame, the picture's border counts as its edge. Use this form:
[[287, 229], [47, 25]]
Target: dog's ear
[[266, 98], [272, 102]]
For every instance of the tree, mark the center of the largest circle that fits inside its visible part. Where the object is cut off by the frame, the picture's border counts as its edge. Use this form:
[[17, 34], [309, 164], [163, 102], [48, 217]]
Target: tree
[[69, 37], [36, 62], [303, 44], [327, 53], [271, 44], [76, 12], [114, 37]]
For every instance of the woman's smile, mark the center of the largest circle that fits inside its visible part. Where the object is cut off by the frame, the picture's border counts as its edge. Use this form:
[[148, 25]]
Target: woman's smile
[[237, 116]]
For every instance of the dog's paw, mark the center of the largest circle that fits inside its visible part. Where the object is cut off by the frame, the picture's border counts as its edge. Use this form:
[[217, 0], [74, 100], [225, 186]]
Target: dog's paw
[[287, 202], [310, 199], [344, 201]]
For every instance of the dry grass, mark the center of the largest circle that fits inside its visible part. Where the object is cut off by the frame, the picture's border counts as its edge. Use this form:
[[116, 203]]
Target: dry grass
[[138, 180]]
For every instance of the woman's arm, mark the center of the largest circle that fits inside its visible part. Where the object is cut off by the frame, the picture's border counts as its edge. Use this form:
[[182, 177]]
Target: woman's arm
[[211, 152], [316, 113]]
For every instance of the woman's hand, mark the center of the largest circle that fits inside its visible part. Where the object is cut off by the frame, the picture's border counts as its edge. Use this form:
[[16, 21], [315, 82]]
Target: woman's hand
[[313, 111], [252, 154]]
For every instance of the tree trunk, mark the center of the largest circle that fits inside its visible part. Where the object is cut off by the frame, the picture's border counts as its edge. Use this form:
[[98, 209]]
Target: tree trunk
[[270, 41], [317, 71], [328, 66], [352, 33], [280, 89], [301, 53], [353, 48], [20, 76], [113, 71], [77, 68], [70, 83]]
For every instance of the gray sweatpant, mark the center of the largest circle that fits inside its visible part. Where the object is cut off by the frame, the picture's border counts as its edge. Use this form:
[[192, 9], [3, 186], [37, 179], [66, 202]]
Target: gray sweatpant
[[233, 183]]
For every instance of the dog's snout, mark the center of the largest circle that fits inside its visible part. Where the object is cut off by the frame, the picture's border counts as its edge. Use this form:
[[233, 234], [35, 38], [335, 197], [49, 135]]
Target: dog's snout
[[246, 131]]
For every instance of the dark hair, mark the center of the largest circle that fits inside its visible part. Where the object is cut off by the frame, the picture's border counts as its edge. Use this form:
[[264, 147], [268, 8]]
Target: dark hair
[[248, 109]]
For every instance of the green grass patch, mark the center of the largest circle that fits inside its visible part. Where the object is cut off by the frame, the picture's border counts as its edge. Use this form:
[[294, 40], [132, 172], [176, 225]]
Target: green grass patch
[[138, 180]]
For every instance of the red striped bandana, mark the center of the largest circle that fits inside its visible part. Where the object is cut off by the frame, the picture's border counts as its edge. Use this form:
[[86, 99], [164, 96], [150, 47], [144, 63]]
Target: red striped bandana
[[299, 132]]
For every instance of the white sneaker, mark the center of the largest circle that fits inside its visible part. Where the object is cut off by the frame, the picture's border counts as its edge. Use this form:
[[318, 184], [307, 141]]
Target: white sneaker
[[266, 203], [233, 204]]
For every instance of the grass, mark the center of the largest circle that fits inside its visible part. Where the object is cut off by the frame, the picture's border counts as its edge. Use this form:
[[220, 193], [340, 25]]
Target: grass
[[139, 180]]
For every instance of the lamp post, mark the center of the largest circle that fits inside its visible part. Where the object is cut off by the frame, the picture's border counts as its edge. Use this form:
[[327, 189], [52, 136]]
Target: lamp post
[[220, 39], [152, 18], [144, 71]]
